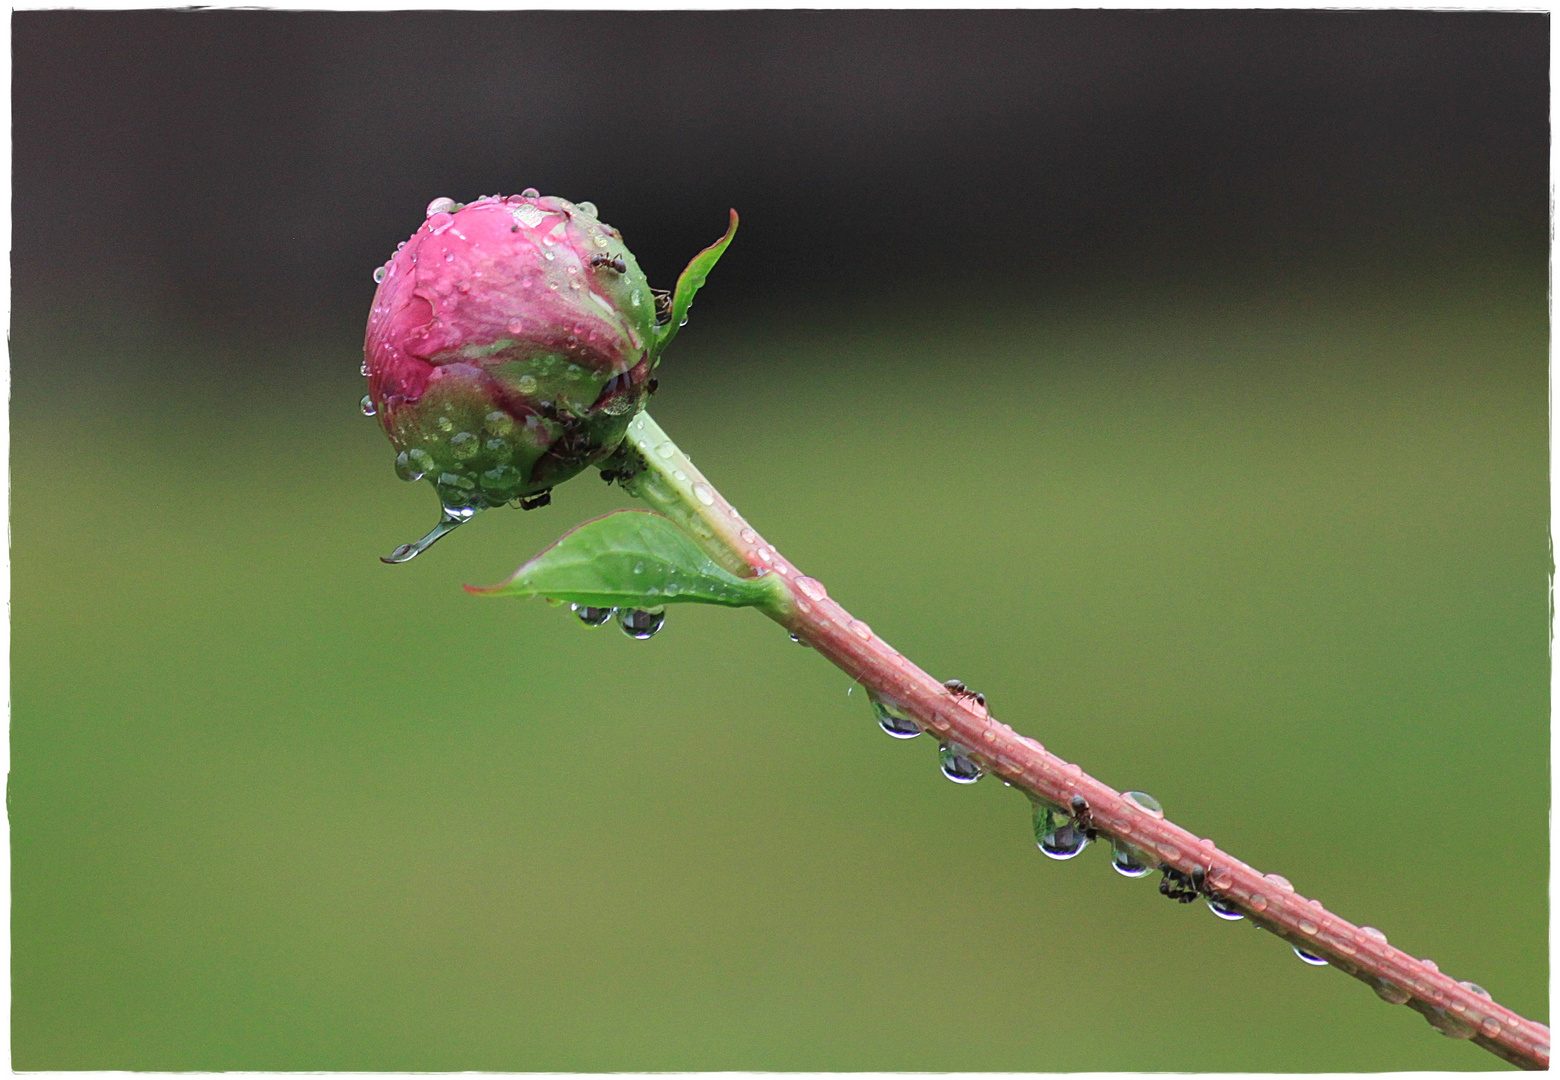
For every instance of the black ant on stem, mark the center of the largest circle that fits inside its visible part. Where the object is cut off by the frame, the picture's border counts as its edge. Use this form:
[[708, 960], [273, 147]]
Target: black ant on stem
[[959, 690]]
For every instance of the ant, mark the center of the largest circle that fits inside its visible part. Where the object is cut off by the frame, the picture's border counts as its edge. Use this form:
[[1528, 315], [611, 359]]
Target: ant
[[1082, 817], [663, 306], [1182, 888], [652, 386], [614, 261], [959, 690], [534, 502]]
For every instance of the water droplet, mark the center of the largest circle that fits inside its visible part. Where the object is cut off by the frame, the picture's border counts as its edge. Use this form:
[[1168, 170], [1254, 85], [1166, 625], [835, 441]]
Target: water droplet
[[367, 405], [441, 205], [811, 588], [363, 369], [379, 275], [900, 727], [463, 444], [1450, 1026], [453, 518], [1309, 958], [1307, 926], [1055, 835], [748, 536], [592, 616], [445, 424], [665, 450], [800, 642], [861, 629], [957, 764], [1430, 964], [1224, 911], [1392, 995], [1281, 881], [588, 207], [1127, 860], [1257, 903], [703, 494], [527, 215], [1475, 988], [641, 624], [502, 480], [639, 568], [1490, 1027], [406, 468], [1146, 802], [1372, 932], [530, 193]]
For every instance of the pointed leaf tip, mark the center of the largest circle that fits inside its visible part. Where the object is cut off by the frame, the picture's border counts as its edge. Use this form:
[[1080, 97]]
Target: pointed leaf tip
[[692, 280], [631, 558]]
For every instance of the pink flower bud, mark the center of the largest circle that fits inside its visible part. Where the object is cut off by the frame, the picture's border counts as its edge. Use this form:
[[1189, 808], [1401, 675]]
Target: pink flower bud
[[509, 345]]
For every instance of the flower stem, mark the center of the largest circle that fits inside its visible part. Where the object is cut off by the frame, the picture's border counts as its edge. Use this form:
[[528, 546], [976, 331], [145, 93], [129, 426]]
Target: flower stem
[[669, 482]]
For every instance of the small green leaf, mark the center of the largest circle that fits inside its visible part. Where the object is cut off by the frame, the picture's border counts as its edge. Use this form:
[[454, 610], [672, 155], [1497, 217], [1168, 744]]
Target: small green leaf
[[691, 281], [631, 558]]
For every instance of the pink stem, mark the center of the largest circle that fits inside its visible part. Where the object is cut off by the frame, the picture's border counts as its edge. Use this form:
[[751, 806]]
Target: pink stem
[[1453, 1007]]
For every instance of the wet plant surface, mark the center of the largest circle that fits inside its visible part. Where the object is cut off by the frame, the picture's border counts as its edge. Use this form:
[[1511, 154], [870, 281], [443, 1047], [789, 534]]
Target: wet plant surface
[[1286, 571]]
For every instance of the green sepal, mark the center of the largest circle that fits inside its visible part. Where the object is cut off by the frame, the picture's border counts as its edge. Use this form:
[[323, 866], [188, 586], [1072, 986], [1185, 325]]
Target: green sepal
[[691, 281], [633, 558]]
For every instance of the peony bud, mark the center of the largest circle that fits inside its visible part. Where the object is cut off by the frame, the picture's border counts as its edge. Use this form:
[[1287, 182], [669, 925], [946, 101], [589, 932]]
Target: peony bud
[[510, 343]]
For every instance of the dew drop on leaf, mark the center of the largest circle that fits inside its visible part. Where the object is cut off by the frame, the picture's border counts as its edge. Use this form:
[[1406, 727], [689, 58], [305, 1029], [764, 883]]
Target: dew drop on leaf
[[639, 624]]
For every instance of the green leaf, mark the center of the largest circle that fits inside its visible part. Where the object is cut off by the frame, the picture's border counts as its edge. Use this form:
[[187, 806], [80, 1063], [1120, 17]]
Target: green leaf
[[691, 281], [631, 558]]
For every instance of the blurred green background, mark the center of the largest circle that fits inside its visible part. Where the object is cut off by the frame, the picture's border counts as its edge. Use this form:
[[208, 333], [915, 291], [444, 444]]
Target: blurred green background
[[1265, 538]]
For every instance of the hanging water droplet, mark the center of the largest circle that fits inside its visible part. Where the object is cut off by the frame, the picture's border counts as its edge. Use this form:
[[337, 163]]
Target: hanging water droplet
[[1391, 994], [800, 642], [1450, 1026], [1127, 860], [900, 727], [531, 193], [592, 616], [957, 764], [641, 624], [367, 405], [1055, 834], [1309, 958], [406, 468], [1225, 911], [379, 275], [453, 518]]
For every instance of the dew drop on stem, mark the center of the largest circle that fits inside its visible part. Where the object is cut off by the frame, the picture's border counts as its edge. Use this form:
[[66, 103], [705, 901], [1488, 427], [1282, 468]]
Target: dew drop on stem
[[957, 764], [641, 624], [1055, 834], [1225, 911], [900, 727], [1127, 860]]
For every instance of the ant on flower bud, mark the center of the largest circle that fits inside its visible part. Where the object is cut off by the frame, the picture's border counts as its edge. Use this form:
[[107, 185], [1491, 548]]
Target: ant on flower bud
[[613, 261]]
